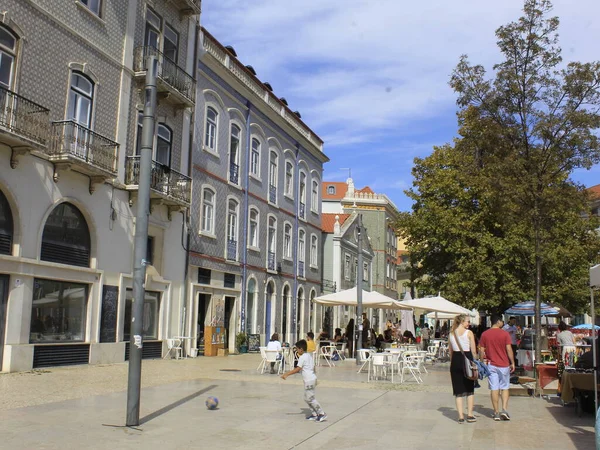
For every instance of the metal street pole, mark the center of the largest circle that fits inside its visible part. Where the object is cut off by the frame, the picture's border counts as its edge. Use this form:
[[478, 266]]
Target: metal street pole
[[359, 283], [140, 246]]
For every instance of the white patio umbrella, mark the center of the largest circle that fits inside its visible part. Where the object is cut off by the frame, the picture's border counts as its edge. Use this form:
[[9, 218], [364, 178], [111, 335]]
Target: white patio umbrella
[[435, 304], [369, 300]]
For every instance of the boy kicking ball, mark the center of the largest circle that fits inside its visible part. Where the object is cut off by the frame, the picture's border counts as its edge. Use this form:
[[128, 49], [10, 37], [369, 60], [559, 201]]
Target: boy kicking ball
[[306, 365]]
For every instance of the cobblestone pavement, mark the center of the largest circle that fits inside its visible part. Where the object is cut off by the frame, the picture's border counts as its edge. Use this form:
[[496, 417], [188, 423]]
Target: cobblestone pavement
[[84, 407]]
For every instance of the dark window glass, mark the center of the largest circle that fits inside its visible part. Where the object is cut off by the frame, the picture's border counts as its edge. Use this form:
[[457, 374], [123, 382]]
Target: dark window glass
[[229, 280], [6, 226], [66, 237], [203, 275], [58, 312], [150, 250], [150, 315]]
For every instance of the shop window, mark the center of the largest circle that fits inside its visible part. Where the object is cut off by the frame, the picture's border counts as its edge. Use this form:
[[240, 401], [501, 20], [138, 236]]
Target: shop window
[[6, 226], [229, 280], [203, 275], [59, 311], [66, 237], [150, 317]]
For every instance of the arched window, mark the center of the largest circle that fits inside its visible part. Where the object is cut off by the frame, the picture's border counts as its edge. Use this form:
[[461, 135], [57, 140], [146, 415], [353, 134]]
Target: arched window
[[81, 97], [8, 55], [287, 241], [208, 211], [273, 164], [300, 312], [6, 226], [289, 179], [284, 314], [253, 228], [232, 229], [272, 243], [302, 195], [255, 158], [164, 142], [234, 154], [314, 252], [301, 252], [210, 139], [66, 237], [314, 199]]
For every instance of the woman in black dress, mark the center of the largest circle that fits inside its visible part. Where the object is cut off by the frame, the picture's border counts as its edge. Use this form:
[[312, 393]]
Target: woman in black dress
[[461, 386]]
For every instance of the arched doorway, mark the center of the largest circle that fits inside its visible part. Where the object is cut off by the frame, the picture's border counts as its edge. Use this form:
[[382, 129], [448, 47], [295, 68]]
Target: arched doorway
[[6, 226], [300, 313], [269, 301], [66, 237], [250, 305], [285, 313]]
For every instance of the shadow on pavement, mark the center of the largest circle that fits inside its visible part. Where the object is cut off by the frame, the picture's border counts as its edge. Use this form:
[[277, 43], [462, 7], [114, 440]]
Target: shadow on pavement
[[582, 439], [174, 405]]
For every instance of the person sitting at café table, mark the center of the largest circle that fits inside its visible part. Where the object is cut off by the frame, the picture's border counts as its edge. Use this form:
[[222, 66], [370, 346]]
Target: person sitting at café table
[[379, 342], [408, 337], [338, 335], [311, 346], [387, 336], [274, 344], [324, 336]]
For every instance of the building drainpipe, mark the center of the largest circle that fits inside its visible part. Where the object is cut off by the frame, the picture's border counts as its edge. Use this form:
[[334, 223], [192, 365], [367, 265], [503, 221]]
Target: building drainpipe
[[245, 223], [295, 246]]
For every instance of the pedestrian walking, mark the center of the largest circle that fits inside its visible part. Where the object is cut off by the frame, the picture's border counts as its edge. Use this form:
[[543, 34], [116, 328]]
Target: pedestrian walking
[[511, 329], [461, 340], [306, 365], [425, 336], [495, 348]]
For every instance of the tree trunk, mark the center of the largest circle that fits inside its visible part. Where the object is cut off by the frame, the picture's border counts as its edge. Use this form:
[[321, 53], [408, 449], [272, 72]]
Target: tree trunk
[[538, 303]]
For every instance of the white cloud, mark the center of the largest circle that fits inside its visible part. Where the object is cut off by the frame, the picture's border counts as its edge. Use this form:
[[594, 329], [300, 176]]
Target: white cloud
[[370, 73]]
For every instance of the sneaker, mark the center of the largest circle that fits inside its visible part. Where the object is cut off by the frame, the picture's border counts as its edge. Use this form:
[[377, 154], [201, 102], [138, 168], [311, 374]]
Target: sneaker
[[504, 415], [496, 417], [321, 418], [312, 417], [461, 421], [471, 419]]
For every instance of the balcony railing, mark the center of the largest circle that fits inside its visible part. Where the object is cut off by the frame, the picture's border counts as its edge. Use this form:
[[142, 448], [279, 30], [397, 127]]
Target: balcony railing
[[302, 211], [272, 193], [164, 180], [301, 269], [231, 250], [234, 173], [72, 139], [168, 71], [271, 261], [23, 117]]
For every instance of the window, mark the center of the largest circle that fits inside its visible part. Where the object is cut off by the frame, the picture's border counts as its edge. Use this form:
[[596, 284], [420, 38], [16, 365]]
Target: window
[[289, 179], [66, 237], [58, 312], [140, 128], [347, 262], [153, 26], [255, 158], [314, 200], [211, 129], [229, 280], [232, 229], [287, 241], [93, 5], [302, 195], [208, 210], [355, 270], [6, 226], [8, 54], [171, 44], [81, 95], [365, 271], [234, 154], [273, 178], [150, 316], [163, 145], [150, 250], [272, 243], [301, 245], [203, 275], [331, 190], [314, 253], [253, 228]]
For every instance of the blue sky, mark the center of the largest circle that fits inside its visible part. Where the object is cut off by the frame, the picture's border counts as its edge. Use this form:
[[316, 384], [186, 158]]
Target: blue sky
[[371, 76]]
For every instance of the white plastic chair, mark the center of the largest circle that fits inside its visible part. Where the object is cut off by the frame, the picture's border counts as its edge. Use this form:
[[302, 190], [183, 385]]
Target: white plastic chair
[[364, 354], [410, 364], [271, 357], [326, 352], [263, 362], [378, 365], [420, 356], [342, 352], [174, 345], [431, 354]]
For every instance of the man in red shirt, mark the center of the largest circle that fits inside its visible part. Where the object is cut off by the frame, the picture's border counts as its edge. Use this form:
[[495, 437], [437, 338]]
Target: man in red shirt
[[495, 348]]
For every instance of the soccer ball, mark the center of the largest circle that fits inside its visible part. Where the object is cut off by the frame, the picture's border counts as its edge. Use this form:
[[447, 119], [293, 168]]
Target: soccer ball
[[212, 403]]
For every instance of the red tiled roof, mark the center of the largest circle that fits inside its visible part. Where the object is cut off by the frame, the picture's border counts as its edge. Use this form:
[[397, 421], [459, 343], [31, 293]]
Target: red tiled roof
[[400, 254], [594, 191], [366, 190], [340, 190], [328, 221]]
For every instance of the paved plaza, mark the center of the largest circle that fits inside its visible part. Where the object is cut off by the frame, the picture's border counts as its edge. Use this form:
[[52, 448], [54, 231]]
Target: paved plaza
[[84, 407]]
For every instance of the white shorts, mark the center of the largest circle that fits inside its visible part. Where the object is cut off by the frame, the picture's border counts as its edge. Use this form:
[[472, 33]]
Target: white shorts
[[499, 378]]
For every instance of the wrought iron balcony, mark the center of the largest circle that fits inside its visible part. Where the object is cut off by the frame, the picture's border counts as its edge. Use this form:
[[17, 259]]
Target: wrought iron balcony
[[188, 7], [301, 269], [23, 123], [84, 149], [272, 193], [302, 210], [172, 187], [271, 261], [231, 250], [234, 173], [178, 86]]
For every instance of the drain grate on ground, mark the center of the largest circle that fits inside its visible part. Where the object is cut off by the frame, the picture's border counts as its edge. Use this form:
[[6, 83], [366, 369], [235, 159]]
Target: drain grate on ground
[[230, 370]]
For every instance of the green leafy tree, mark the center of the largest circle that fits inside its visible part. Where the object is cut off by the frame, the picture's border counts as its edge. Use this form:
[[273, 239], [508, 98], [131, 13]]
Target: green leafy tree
[[523, 132]]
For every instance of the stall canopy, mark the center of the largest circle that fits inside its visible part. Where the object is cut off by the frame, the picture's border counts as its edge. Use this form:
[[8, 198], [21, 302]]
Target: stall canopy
[[528, 309], [435, 304], [369, 300]]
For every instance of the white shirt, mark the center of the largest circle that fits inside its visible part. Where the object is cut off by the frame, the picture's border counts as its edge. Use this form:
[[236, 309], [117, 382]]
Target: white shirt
[[274, 345], [512, 330], [306, 363], [464, 340]]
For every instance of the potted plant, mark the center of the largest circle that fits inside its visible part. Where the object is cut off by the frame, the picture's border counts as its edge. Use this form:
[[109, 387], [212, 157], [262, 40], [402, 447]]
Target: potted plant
[[241, 342]]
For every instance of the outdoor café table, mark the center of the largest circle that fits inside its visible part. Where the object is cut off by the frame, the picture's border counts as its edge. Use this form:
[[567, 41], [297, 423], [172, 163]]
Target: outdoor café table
[[574, 380]]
